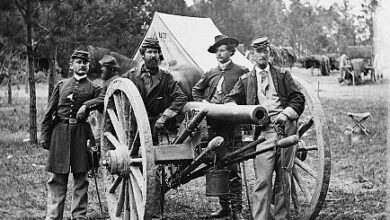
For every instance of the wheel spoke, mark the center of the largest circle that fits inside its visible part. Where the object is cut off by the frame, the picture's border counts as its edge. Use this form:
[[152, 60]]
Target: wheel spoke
[[119, 107], [133, 202], [137, 195], [126, 117], [133, 146], [138, 176], [294, 196], [305, 167], [136, 161], [126, 211], [115, 184], [121, 199], [117, 126], [301, 184], [113, 140]]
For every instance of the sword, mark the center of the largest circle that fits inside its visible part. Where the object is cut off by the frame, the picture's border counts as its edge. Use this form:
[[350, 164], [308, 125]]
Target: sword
[[92, 149]]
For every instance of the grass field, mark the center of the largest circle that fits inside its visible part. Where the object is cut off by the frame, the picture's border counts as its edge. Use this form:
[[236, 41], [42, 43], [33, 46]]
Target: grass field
[[357, 188]]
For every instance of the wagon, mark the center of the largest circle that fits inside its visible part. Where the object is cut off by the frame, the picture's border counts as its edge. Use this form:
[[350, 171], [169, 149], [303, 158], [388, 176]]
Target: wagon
[[137, 174], [360, 62]]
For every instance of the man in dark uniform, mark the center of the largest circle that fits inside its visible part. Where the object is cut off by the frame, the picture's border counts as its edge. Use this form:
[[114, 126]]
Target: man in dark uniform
[[65, 133], [110, 72], [162, 95], [212, 87], [276, 90]]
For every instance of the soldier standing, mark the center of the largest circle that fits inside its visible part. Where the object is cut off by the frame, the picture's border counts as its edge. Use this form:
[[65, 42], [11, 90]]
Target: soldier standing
[[110, 72], [65, 133], [212, 87], [275, 90], [162, 95]]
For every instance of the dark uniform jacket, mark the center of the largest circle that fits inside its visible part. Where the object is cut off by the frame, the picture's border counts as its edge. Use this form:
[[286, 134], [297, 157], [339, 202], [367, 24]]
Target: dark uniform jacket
[[206, 87], [68, 142], [245, 90], [164, 94]]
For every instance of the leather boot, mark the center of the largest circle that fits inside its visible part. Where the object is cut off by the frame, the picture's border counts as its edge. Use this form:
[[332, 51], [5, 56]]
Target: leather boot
[[224, 212], [238, 216]]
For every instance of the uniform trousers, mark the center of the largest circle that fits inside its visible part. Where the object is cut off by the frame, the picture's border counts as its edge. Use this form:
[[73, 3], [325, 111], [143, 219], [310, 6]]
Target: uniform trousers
[[231, 143], [281, 161], [57, 188]]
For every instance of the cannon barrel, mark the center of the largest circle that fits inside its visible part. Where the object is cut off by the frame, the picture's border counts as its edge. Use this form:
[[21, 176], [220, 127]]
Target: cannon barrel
[[238, 114]]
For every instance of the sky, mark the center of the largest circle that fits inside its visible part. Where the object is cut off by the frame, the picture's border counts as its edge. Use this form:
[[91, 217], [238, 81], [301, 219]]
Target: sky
[[355, 4]]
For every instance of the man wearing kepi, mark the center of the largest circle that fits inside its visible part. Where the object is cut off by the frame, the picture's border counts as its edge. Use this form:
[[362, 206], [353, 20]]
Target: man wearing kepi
[[65, 133], [276, 90], [212, 87], [162, 95], [110, 72]]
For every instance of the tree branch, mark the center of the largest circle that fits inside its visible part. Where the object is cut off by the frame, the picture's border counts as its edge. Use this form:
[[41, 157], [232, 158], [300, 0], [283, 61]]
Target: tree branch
[[20, 8]]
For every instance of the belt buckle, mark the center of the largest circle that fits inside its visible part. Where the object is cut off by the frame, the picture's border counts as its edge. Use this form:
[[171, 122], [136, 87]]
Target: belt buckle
[[72, 121]]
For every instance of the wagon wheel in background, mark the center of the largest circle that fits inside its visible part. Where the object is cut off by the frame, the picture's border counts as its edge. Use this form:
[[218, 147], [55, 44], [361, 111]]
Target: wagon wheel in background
[[131, 185], [311, 173]]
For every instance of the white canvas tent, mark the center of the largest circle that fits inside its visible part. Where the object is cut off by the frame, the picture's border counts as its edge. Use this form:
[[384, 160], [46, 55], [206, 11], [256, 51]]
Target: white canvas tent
[[184, 42]]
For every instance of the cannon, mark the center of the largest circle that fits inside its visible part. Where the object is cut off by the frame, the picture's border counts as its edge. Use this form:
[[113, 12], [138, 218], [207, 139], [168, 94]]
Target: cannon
[[137, 174]]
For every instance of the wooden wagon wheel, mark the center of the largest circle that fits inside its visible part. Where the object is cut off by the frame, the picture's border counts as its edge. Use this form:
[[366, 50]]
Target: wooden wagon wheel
[[127, 148], [311, 173]]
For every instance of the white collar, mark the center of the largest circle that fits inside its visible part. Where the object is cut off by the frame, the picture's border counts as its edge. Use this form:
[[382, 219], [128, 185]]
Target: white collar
[[224, 65], [258, 70], [77, 77]]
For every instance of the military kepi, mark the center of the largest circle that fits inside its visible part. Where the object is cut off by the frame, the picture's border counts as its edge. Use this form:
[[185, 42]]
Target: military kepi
[[81, 55], [109, 61], [222, 40], [151, 43], [259, 43]]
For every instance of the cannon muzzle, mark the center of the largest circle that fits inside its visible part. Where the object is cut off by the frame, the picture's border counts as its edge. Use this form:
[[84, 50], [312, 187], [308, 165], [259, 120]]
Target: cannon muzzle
[[238, 114]]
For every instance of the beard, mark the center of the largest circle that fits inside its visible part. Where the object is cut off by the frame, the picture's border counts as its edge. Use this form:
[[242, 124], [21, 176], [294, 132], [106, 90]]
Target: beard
[[151, 64], [262, 64]]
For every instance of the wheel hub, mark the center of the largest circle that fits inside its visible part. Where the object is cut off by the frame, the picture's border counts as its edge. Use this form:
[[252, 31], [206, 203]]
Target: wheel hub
[[117, 162]]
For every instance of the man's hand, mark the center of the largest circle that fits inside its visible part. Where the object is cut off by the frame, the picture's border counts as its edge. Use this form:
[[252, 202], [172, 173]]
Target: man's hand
[[280, 119], [82, 113], [44, 144], [160, 123]]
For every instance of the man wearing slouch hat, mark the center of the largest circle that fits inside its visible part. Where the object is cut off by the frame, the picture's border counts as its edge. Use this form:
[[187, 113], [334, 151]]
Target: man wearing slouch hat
[[212, 87]]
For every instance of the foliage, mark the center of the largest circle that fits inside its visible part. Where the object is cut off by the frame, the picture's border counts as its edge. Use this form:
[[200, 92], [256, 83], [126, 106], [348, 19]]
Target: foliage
[[120, 25]]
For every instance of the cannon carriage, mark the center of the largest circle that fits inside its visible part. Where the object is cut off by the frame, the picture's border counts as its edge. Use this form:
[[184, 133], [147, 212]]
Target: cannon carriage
[[137, 174]]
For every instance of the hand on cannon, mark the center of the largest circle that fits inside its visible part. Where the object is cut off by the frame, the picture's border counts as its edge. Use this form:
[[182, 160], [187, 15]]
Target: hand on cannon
[[280, 119], [82, 113], [160, 123]]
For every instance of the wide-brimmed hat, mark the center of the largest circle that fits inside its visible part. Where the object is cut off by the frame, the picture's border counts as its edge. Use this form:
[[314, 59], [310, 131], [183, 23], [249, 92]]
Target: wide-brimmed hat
[[222, 40], [81, 55], [109, 61], [261, 42]]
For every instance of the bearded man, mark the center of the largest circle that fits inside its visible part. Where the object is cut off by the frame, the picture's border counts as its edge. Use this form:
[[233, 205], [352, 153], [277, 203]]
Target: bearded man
[[161, 93]]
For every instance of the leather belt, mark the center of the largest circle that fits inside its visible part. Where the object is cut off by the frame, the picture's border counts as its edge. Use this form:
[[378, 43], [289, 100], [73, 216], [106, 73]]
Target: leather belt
[[71, 121]]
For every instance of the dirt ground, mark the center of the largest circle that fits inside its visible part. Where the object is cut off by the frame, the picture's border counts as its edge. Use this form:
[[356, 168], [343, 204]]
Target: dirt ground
[[357, 184]]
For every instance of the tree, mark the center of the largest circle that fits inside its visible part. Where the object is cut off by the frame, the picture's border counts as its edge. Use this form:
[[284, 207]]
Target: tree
[[366, 21], [27, 11]]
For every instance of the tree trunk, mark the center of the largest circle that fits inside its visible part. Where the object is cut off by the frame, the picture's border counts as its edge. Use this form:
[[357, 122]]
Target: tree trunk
[[50, 77], [9, 84], [31, 77]]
